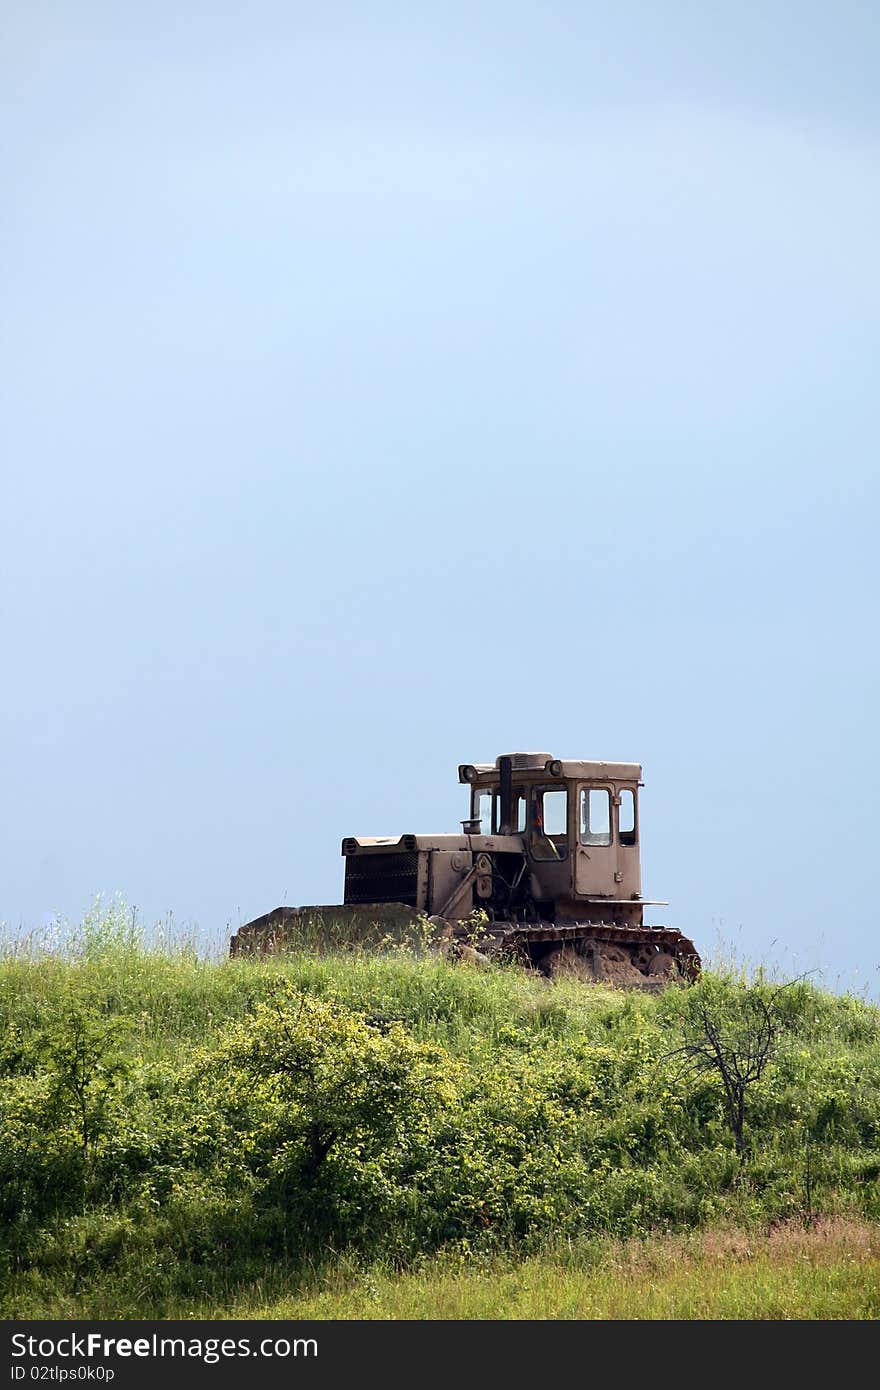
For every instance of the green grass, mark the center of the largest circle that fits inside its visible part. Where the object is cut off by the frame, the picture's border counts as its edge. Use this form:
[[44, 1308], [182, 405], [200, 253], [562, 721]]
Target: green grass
[[392, 1136]]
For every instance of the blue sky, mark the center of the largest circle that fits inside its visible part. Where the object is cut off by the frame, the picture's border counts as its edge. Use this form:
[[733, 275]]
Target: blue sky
[[384, 389]]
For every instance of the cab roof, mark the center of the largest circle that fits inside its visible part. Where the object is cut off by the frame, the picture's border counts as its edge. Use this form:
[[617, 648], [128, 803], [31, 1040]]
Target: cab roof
[[541, 765]]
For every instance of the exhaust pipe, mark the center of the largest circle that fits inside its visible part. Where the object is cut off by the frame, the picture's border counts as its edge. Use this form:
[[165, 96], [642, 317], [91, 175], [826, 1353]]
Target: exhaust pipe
[[505, 814]]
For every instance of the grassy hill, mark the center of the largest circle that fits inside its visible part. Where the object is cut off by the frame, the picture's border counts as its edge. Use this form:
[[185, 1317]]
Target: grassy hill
[[181, 1137]]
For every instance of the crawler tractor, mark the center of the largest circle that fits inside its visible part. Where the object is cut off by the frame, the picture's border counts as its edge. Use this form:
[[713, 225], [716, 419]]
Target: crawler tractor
[[546, 868]]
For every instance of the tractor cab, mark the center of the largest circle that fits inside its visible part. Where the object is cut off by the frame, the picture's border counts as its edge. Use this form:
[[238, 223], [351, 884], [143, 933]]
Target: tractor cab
[[577, 822]]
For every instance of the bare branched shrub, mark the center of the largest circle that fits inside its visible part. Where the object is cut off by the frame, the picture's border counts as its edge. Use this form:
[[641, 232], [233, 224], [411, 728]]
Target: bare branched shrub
[[733, 1032]]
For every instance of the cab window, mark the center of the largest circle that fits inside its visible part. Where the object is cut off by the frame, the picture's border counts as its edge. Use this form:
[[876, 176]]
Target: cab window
[[483, 809], [518, 818], [595, 816], [548, 831], [486, 804], [626, 818]]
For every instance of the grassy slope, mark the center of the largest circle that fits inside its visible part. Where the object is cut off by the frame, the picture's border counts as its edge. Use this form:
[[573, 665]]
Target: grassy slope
[[561, 1115]]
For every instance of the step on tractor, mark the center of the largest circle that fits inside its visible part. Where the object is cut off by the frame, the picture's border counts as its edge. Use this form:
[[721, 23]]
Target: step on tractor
[[546, 870]]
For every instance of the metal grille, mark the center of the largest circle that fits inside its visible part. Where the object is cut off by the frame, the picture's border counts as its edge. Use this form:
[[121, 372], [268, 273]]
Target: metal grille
[[382, 878]]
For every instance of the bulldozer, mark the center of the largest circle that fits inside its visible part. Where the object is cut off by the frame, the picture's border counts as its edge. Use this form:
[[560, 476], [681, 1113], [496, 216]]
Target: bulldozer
[[545, 870]]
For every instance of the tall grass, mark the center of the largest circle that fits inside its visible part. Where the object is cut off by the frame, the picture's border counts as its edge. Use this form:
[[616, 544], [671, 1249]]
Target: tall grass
[[831, 1270]]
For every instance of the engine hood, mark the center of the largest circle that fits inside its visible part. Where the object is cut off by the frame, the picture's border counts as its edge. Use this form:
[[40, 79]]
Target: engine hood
[[397, 844]]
